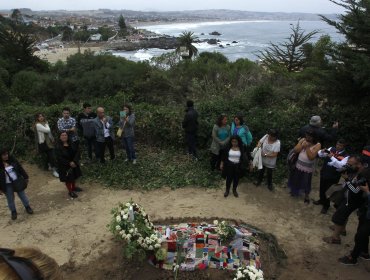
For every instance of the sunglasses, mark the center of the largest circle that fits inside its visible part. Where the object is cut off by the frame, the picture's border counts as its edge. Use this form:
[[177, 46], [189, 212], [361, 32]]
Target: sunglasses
[[24, 268]]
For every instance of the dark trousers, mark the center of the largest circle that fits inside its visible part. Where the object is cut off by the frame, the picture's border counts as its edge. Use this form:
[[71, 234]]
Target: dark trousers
[[325, 184], [91, 146], [261, 173], [50, 155], [101, 149], [191, 141], [128, 143], [361, 239], [232, 176], [215, 161]]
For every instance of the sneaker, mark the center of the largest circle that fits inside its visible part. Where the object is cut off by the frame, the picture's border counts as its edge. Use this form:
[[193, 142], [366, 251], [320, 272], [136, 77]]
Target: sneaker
[[78, 189], [331, 240], [73, 194], [365, 256], [324, 210], [343, 233], [14, 215], [226, 194], [347, 260], [55, 174], [235, 193], [29, 210], [134, 161]]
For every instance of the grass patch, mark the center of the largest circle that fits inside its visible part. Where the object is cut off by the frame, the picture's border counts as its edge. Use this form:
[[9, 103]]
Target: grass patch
[[155, 168]]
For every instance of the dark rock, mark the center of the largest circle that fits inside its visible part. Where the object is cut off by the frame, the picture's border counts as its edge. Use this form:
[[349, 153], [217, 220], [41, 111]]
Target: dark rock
[[215, 33], [234, 42], [221, 46], [160, 43], [227, 44], [213, 41], [202, 33]]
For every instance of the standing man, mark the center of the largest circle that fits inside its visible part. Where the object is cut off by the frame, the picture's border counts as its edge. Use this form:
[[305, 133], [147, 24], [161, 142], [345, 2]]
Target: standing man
[[104, 134], [325, 135], [68, 124], [190, 126], [85, 122], [335, 158]]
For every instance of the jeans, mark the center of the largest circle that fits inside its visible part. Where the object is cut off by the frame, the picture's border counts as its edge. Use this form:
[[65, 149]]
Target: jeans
[[191, 140], [10, 198], [269, 175], [91, 145], [128, 144], [101, 149], [232, 176]]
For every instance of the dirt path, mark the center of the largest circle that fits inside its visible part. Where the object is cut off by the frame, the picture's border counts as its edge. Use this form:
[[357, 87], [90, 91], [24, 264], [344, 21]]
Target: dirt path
[[74, 231]]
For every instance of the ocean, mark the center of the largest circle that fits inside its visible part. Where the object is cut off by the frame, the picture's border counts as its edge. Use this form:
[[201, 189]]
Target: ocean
[[251, 36]]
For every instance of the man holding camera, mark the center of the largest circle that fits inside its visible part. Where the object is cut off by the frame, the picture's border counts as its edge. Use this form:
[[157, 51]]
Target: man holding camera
[[354, 176], [335, 158]]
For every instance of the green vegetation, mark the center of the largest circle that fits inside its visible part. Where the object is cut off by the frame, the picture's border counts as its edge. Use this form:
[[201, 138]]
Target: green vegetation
[[333, 82], [186, 40]]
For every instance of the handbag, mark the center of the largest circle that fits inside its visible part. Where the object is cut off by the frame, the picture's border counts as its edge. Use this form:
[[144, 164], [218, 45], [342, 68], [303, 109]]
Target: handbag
[[292, 159], [119, 132], [18, 185]]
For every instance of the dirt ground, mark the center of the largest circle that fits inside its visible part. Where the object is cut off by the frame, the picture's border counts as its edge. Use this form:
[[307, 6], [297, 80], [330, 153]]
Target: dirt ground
[[74, 231]]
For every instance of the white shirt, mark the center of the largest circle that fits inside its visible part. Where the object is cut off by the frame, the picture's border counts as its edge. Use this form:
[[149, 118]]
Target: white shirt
[[11, 171], [267, 148], [41, 131], [234, 156], [106, 129]]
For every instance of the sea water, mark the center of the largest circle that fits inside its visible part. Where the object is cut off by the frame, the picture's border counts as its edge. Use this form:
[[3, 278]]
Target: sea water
[[251, 37]]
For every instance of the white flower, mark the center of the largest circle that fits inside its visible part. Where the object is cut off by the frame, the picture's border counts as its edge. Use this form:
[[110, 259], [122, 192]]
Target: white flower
[[176, 267], [131, 231], [239, 275], [215, 222], [122, 212], [118, 218], [128, 204], [128, 236], [118, 227], [157, 245], [124, 217], [151, 247]]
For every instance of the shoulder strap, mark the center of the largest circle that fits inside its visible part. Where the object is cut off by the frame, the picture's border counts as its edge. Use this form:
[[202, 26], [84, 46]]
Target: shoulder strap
[[10, 178]]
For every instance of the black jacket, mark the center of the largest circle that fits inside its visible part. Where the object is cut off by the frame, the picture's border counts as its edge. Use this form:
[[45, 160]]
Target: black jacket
[[85, 124], [242, 165], [18, 168], [64, 156], [190, 122], [324, 136]]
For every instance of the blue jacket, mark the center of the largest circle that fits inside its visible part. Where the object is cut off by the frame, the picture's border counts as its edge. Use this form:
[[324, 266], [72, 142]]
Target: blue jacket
[[244, 133]]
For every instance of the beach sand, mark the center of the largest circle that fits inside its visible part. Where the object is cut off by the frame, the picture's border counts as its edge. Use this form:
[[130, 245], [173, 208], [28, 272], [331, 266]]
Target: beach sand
[[62, 54]]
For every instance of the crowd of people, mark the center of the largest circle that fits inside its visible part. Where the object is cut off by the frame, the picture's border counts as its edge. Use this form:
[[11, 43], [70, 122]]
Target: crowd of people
[[230, 154]]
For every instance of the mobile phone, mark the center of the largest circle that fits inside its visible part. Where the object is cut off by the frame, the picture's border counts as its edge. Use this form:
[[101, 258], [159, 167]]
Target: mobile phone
[[122, 114]]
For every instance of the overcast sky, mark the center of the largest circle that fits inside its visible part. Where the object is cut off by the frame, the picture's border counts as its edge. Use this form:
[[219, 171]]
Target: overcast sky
[[309, 6]]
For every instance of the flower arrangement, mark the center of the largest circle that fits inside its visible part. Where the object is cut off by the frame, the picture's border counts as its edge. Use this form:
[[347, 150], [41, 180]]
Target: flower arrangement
[[224, 230], [248, 273], [131, 224]]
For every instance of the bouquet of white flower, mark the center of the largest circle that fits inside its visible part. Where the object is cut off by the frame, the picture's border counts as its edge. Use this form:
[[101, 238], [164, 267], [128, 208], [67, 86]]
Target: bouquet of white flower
[[224, 230], [248, 273], [131, 224]]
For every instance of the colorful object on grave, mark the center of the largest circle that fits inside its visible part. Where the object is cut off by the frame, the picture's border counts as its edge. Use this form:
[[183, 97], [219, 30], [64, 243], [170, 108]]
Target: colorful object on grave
[[201, 247]]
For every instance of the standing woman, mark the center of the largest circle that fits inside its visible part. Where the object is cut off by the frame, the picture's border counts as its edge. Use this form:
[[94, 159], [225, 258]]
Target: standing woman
[[239, 128], [68, 157], [45, 141], [232, 164], [270, 145], [300, 178], [220, 138], [127, 124], [10, 171]]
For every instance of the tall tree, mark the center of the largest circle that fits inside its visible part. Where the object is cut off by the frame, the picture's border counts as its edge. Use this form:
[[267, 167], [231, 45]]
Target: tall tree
[[186, 40], [16, 16], [354, 54], [289, 54], [122, 25]]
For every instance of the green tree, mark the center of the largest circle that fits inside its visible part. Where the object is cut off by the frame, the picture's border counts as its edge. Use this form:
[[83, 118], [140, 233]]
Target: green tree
[[186, 40], [67, 33], [122, 25], [289, 54], [17, 16], [354, 54]]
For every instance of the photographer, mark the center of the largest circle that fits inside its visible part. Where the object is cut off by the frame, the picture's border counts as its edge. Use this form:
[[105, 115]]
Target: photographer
[[354, 176], [335, 158]]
